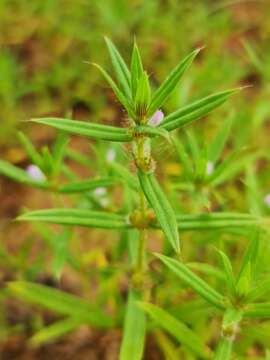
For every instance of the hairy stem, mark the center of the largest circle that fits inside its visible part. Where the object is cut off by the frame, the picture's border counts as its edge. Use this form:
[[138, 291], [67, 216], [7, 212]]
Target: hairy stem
[[141, 157]]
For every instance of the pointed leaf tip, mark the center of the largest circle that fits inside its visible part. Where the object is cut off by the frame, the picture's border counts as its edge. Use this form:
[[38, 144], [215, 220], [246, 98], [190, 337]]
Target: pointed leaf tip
[[169, 84]]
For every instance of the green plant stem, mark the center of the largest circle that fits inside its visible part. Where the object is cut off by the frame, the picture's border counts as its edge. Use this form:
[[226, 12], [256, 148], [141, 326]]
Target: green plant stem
[[142, 239]]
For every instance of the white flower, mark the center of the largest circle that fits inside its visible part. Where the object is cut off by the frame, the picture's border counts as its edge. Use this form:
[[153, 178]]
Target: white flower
[[110, 156], [100, 191], [267, 200], [35, 173], [156, 118], [209, 167]]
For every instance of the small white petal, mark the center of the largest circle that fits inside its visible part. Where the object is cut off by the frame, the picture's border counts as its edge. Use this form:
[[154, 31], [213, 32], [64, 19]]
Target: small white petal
[[267, 200], [156, 118], [35, 173], [100, 191], [111, 154], [209, 168]]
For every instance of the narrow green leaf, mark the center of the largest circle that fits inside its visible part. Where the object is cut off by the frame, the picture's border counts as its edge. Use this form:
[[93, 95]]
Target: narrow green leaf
[[195, 110], [68, 173], [80, 217], [54, 331], [170, 82], [59, 302], [253, 190], [248, 267], [120, 96], [255, 60], [183, 157], [86, 185], [143, 95], [132, 345], [259, 291], [251, 254], [190, 312], [224, 351], [166, 345], [61, 251], [209, 221], [120, 67], [136, 68], [229, 272], [48, 160], [194, 147], [194, 281], [178, 330], [243, 284], [201, 165], [206, 269], [162, 208], [59, 151], [17, 174], [217, 146], [232, 165], [260, 310], [78, 157], [31, 151], [97, 131]]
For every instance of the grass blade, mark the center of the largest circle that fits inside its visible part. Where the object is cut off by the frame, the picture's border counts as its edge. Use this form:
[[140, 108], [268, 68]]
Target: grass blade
[[178, 330], [31, 151], [59, 302], [132, 345], [54, 331], [170, 82], [162, 208], [195, 110], [194, 281], [86, 185], [80, 217], [96, 131], [17, 174]]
